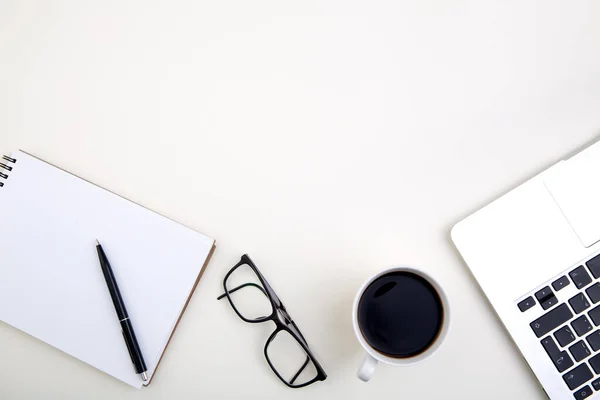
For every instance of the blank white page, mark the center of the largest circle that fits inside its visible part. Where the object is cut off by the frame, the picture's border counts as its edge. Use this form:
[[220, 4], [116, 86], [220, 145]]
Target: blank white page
[[51, 284]]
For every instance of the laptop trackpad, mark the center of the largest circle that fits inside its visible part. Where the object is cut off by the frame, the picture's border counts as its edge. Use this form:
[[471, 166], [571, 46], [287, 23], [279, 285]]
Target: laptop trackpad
[[575, 186]]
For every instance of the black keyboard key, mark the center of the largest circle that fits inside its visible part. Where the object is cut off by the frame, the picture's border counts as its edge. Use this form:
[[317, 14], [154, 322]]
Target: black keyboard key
[[595, 363], [596, 384], [583, 393], [595, 315], [546, 298], [551, 301], [594, 266], [560, 359], [579, 303], [544, 293], [526, 304], [564, 336], [550, 346], [594, 340], [594, 292], [551, 320], [578, 376], [580, 277], [582, 325], [561, 283], [579, 351]]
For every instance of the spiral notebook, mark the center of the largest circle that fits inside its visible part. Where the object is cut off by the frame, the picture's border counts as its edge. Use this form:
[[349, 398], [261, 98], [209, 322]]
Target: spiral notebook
[[51, 284]]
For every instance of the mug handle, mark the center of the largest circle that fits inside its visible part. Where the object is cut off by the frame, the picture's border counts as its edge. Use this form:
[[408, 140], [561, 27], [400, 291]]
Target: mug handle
[[367, 369]]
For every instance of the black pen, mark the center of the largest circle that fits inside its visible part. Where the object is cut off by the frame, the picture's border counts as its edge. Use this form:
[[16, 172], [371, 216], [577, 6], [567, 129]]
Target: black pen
[[128, 334]]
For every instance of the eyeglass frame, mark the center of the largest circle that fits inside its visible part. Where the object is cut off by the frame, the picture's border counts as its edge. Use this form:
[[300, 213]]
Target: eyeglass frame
[[283, 322]]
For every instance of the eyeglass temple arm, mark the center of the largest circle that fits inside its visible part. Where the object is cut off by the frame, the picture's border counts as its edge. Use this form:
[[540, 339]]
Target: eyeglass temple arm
[[297, 331], [241, 287], [300, 371]]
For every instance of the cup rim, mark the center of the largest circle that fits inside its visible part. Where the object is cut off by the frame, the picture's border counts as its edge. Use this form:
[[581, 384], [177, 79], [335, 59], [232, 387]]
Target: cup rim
[[433, 348]]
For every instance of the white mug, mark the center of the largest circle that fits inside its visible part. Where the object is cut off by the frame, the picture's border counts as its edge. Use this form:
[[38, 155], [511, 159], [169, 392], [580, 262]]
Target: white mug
[[372, 357]]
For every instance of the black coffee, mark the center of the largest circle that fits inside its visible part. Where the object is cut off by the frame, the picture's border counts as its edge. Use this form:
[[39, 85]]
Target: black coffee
[[400, 314]]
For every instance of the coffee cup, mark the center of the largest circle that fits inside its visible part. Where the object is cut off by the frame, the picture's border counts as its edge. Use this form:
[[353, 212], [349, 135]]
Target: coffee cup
[[401, 316]]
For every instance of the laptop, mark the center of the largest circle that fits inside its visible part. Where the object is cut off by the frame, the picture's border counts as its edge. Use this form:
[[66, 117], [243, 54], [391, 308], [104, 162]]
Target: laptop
[[535, 252]]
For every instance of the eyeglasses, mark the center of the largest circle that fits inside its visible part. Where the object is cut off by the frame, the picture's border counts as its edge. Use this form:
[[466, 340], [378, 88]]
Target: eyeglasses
[[255, 301]]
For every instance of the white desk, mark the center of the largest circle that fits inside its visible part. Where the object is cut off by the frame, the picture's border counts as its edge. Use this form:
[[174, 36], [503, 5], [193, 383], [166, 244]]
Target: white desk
[[341, 137]]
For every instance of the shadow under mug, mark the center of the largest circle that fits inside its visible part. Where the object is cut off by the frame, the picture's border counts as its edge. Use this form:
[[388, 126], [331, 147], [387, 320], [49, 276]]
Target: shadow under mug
[[373, 357]]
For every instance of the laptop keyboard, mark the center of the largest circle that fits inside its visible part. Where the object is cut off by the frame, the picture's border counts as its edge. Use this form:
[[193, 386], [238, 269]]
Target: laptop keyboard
[[569, 331]]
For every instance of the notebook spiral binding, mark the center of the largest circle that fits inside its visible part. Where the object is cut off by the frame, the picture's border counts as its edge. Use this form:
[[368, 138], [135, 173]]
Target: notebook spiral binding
[[6, 168]]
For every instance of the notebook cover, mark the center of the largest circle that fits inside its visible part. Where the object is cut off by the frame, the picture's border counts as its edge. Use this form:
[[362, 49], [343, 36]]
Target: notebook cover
[[182, 312], [195, 283]]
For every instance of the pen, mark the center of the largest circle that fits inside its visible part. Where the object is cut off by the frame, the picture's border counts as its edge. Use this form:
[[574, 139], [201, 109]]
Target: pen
[[126, 327]]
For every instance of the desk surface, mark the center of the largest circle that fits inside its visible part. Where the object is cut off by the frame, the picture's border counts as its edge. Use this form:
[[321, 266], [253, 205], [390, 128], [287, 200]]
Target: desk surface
[[341, 138]]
